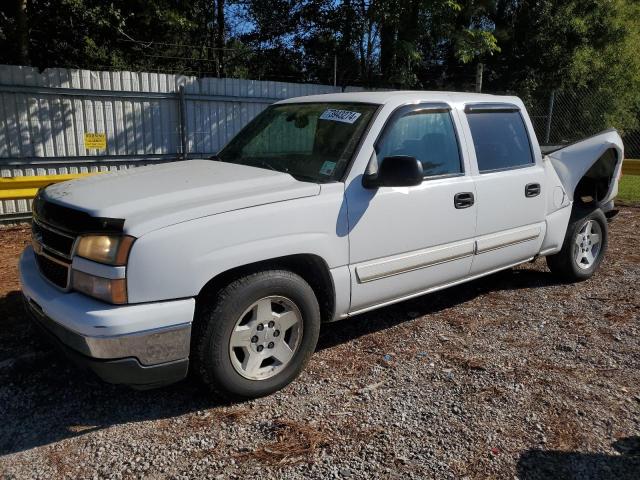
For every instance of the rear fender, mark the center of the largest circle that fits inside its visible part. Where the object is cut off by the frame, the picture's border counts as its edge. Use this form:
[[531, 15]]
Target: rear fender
[[574, 161]]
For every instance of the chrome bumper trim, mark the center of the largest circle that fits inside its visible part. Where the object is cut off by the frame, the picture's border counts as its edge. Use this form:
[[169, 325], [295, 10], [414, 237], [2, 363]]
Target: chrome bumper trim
[[150, 347]]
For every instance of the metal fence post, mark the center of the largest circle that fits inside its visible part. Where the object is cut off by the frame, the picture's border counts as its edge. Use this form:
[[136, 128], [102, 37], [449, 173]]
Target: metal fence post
[[182, 102], [547, 132]]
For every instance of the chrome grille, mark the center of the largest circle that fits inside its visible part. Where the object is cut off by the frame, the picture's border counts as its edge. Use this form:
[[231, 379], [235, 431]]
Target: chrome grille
[[56, 273], [53, 240], [53, 250]]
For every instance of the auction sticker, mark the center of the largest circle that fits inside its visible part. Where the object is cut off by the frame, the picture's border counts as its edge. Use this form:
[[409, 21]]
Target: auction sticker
[[344, 116], [327, 168]]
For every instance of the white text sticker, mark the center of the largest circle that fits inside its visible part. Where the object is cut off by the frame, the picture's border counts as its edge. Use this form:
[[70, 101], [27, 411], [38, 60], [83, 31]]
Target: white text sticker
[[327, 168], [344, 116]]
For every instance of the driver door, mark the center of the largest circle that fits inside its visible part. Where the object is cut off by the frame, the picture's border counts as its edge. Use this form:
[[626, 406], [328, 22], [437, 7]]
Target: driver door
[[405, 241]]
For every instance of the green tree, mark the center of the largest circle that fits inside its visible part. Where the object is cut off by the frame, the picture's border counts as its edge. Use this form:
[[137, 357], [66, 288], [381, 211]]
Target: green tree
[[571, 45], [527, 46]]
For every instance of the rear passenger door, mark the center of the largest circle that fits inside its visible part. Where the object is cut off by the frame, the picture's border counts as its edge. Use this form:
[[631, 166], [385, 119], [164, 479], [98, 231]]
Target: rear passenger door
[[509, 185]]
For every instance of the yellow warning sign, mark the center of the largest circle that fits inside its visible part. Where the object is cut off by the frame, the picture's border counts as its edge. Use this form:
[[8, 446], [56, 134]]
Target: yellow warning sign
[[95, 140]]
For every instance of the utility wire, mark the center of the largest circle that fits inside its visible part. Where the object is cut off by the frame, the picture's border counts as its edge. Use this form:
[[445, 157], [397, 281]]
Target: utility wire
[[150, 43]]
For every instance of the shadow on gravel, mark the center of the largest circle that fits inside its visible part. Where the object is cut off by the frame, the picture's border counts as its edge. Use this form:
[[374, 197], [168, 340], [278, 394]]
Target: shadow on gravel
[[10, 312], [44, 398], [539, 464], [15, 333], [47, 399], [340, 332]]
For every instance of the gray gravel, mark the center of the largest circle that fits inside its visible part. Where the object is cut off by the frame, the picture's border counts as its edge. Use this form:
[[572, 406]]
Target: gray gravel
[[515, 375]]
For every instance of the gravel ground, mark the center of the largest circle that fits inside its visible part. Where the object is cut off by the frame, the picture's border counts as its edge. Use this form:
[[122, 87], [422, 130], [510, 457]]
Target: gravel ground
[[514, 375]]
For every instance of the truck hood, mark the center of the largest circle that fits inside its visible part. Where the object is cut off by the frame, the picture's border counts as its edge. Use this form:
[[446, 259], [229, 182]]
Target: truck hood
[[152, 197]]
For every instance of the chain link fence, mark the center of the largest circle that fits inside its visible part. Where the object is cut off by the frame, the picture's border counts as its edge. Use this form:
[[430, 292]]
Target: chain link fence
[[564, 116]]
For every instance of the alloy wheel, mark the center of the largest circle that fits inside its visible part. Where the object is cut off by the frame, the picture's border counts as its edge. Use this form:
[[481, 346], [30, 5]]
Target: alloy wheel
[[588, 244], [265, 338]]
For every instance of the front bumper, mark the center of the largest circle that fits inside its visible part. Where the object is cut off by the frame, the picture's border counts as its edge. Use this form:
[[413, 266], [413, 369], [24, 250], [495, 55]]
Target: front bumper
[[142, 345]]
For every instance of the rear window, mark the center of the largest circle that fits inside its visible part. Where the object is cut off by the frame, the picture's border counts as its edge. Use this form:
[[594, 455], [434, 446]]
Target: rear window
[[500, 139]]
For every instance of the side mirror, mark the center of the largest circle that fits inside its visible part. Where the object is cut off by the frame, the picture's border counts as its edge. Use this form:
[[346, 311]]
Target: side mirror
[[397, 171]]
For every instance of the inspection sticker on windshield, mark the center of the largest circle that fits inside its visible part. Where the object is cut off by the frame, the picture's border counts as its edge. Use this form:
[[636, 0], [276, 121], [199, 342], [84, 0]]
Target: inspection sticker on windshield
[[344, 116], [327, 168]]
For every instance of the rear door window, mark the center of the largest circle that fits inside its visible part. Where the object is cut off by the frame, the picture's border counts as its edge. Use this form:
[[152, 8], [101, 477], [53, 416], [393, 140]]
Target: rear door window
[[500, 139]]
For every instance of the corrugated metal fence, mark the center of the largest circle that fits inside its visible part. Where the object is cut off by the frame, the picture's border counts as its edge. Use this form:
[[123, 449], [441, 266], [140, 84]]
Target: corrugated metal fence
[[47, 119]]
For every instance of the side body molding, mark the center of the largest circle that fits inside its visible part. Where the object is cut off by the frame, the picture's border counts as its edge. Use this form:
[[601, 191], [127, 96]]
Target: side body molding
[[506, 238], [407, 262], [428, 257]]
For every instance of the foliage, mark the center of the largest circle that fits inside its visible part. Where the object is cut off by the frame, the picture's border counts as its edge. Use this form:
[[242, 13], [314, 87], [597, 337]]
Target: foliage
[[526, 46]]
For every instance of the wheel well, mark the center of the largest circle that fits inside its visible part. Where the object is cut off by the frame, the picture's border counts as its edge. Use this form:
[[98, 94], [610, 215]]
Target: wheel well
[[594, 185], [312, 268]]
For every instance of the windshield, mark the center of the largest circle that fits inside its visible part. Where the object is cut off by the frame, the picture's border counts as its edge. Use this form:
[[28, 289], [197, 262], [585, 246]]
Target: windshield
[[311, 141]]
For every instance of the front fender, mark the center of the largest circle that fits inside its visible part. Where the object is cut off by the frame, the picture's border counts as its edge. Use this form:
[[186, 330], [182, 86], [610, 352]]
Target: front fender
[[177, 261]]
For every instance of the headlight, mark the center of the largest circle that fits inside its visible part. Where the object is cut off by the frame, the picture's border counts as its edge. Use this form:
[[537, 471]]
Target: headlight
[[109, 249], [106, 289]]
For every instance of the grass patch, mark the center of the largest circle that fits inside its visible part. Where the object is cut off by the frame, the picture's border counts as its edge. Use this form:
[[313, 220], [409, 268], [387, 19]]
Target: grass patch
[[629, 188]]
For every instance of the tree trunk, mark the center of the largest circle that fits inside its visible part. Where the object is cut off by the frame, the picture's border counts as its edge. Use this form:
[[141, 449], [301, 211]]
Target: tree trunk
[[22, 32], [387, 20], [361, 40], [346, 41], [369, 49], [221, 44], [387, 48], [211, 39]]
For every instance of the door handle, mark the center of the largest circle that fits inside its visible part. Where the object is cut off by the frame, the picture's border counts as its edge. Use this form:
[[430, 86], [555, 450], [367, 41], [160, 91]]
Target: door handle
[[463, 200], [532, 190]]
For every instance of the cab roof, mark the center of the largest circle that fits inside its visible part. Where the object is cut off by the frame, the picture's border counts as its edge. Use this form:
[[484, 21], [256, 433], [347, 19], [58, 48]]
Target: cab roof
[[399, 97]]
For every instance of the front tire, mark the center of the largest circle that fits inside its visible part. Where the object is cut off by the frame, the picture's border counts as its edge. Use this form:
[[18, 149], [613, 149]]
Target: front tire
[[584, 246], [254, 336]]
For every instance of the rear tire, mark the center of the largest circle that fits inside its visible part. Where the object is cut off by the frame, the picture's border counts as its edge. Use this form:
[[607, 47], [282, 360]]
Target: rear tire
[[254, 336], [584, 246]]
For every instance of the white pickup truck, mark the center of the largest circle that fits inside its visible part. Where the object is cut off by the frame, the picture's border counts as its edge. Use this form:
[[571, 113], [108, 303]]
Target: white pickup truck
[[321, 208]]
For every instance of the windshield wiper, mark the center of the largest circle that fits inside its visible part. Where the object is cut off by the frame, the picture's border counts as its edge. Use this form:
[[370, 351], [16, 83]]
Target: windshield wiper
[[259, 162], [266, 164], [304, 178], [297, 176]]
